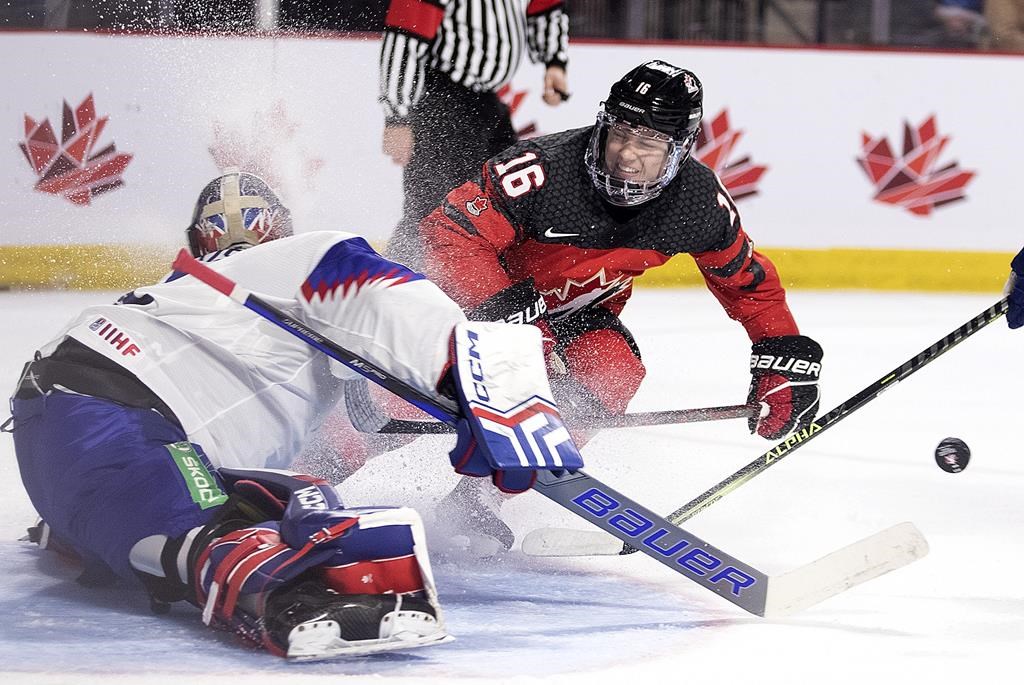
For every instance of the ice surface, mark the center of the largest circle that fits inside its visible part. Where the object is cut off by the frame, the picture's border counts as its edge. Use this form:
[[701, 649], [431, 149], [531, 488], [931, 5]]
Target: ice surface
[[955, 616]]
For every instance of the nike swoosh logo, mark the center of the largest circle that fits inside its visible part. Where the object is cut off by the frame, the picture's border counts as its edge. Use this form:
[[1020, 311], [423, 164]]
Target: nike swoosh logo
[[551, 233]]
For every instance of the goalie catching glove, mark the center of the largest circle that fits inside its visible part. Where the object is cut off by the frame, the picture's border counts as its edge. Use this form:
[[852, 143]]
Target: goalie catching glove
[[510, 427], [784, 381]]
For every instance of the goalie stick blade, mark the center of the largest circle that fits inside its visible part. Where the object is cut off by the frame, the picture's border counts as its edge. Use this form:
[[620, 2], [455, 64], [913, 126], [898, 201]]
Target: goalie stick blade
[[564, 542], [678, 549], [843, 569], [718, 571]]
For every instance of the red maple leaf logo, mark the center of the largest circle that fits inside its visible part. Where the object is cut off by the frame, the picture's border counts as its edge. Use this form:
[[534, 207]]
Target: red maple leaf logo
[[477, 205], [70, 167], [268, 148], [912, 181], [715, 143]]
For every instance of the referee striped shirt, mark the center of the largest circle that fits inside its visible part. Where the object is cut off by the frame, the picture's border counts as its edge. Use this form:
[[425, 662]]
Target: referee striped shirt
[[477, 43]]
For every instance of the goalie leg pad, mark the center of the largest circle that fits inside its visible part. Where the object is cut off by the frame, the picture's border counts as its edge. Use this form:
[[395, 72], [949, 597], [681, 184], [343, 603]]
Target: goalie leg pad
[[386, 552], [283, 539], [351, 566]]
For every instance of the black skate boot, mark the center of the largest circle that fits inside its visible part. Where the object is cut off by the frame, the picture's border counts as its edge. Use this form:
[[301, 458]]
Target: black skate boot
[[309, 621], [468, 516]]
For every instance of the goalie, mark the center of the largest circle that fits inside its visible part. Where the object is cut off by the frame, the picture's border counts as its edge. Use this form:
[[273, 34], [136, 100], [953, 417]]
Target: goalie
[[150, 433]]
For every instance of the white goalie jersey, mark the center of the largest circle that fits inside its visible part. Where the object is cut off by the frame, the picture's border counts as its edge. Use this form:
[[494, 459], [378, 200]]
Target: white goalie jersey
[[246, 391]]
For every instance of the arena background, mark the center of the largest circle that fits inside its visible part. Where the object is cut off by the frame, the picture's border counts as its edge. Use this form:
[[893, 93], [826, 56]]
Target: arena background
[[794, 131]]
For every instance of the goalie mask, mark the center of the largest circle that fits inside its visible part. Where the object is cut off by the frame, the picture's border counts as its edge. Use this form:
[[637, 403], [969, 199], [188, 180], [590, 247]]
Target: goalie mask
[[644, 132], [236, 208]]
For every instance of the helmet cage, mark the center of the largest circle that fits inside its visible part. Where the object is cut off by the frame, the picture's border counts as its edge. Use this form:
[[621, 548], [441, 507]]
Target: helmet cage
[[628, 193], [237, 208]]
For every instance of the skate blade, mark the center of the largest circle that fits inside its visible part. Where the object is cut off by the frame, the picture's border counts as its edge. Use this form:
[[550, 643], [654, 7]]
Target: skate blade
[[321, 640], [469, 546]]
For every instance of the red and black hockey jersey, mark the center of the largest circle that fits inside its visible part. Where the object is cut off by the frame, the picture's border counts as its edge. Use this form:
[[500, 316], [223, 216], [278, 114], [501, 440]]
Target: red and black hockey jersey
[[535, 213]]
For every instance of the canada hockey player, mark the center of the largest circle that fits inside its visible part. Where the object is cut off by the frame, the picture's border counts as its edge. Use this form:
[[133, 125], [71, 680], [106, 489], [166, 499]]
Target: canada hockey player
[[556, 229]]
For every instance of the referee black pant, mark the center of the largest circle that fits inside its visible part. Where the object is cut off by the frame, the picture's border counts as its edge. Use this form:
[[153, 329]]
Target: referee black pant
[[455, 130]]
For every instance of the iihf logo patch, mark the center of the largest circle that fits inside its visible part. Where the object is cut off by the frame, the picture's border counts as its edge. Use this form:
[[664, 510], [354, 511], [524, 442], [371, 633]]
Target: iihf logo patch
[[116, 337]]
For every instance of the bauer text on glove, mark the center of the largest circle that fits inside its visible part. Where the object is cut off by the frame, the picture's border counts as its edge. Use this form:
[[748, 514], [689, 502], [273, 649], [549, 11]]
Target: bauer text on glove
[[784, 379]]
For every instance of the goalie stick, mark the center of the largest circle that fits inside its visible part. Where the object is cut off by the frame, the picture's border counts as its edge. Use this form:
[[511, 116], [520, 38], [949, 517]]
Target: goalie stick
[[565, 542], [680, 550], [367, 416]]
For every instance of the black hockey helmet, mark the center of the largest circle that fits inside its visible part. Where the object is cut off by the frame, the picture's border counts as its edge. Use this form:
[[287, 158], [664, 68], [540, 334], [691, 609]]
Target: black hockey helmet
[[654, 102], [236, 208]]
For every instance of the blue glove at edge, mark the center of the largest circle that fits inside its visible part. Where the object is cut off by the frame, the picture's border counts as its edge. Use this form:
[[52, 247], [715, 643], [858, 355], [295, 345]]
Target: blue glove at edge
[[468, 460], [1015, 291]]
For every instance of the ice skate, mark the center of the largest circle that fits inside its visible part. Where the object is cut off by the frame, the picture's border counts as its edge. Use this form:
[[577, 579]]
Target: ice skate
[[468, 517], [311, 622]]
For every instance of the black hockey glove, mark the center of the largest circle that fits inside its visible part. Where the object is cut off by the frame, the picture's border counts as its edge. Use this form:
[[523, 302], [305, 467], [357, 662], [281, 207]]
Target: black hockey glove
[[518, 303], [521, 303], [784, 380], [1015, 291]]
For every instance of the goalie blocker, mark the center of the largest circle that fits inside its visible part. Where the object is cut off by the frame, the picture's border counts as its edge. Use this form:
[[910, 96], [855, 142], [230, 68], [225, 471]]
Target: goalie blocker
[[510, 426]]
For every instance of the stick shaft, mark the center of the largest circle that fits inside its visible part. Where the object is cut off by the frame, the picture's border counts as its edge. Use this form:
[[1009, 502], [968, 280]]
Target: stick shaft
[[633, 420], [823, 423], [438, 407]]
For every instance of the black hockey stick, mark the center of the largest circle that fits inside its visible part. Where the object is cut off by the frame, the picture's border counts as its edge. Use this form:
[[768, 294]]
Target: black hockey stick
[[631, 420], [823, 423], [440, 408], [630, 522], [368, 417], [550, 542]]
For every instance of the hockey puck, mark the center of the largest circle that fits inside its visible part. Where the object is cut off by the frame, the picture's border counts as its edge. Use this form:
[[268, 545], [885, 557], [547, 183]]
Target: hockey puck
[[952, 455]]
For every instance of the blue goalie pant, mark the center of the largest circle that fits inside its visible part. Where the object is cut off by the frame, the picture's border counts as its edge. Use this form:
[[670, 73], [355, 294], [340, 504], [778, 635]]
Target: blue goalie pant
[[104, 475]]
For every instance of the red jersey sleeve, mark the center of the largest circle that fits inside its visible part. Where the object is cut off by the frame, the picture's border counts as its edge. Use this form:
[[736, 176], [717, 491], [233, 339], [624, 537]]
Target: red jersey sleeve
[[748, 286], [420, 18], [463, 241]]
